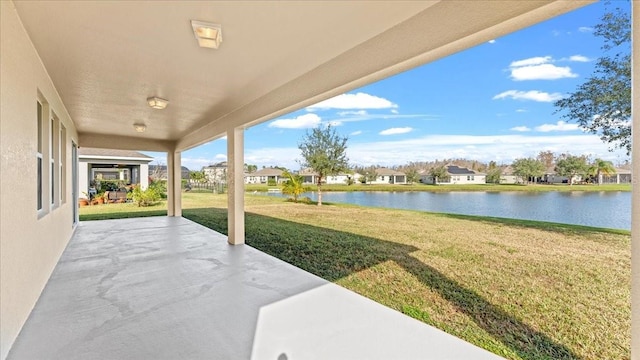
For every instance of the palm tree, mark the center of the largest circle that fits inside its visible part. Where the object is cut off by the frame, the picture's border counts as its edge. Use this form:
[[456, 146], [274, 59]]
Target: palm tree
[[293, 186], [601, 167]]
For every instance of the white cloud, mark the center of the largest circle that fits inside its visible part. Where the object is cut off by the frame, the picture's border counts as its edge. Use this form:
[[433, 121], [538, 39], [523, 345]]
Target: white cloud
[[559, 126], [533, 95], [521, 110], [394, 111], [356, 133], [499, 148], [542, 72], [335, 123], [359, 112], [520, 128], [539, 68], [286, 156], [579, 58], [396, 131], [353, 101], [305, 121], [493, 41], [220, 157], [531, 61], [585, 29]]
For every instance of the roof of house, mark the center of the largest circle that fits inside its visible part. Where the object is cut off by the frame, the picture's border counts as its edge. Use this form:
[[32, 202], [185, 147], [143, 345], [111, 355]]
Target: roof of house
[[267, 172], [385, 172], [457, 170], [111, 153], [222, 164], [623, 171], [508, 171]]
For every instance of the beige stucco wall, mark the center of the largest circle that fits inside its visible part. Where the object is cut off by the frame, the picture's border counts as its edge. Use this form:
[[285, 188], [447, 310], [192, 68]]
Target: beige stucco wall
[[30, 244]]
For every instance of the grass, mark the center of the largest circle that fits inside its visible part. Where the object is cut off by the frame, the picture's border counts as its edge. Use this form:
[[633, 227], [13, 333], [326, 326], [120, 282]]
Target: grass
[[120, 211], [462, 187], [521, 289]]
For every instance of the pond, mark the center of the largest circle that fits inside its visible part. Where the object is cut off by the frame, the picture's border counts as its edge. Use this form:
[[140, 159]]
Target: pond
[[600, 209]]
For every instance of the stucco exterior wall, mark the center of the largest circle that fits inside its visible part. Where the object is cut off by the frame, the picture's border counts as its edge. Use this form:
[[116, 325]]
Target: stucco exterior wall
[[30, 243], [144, 176]]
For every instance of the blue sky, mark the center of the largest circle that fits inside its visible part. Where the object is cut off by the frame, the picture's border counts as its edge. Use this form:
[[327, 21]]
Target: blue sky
[[491, 102]]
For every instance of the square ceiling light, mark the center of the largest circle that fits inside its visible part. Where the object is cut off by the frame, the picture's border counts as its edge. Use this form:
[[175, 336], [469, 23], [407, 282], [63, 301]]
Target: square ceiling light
[[157, 103], [208, 35]]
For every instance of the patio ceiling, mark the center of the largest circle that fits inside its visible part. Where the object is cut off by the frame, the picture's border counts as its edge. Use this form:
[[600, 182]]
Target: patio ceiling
[[107, 58]]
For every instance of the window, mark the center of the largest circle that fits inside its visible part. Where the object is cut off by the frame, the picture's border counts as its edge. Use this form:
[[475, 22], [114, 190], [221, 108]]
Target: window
[[39, 170], [54, 160], [62, 150], [52, 174]]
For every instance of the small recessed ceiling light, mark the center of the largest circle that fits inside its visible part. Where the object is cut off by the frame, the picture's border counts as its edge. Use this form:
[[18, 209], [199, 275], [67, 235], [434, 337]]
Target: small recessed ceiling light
[[140, 127], [157, 103], [208, 35]]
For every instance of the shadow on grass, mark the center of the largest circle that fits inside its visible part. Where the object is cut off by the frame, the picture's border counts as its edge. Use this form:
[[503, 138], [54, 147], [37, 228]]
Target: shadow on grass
[[333, 254]]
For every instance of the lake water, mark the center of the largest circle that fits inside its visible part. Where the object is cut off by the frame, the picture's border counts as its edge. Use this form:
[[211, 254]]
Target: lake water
[[600, 209]]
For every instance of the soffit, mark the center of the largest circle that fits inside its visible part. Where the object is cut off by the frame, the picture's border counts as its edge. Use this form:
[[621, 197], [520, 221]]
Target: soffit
[[106, 58]]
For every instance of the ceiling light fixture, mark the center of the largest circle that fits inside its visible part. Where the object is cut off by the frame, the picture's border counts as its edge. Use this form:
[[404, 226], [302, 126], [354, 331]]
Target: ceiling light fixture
[[208, 35], [140, 127], [157, 103]]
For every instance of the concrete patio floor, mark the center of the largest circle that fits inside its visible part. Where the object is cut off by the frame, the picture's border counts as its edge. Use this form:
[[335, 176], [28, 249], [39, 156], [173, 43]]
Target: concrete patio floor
[[168, 288]]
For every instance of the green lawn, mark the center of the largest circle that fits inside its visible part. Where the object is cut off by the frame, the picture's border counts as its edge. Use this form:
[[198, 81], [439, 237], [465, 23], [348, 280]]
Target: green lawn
[[521, 289], [447, 188]]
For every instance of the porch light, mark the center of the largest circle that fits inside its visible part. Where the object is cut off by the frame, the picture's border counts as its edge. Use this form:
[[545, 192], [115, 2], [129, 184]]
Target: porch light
[[208, 35], [157, 103], [140, 127]]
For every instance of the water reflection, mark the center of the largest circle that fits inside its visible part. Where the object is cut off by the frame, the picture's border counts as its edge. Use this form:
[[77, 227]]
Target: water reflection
[[601, 209]]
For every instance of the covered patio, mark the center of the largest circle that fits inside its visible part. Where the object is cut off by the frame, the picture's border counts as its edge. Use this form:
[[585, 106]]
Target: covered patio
[[89, 74], [168, 288]]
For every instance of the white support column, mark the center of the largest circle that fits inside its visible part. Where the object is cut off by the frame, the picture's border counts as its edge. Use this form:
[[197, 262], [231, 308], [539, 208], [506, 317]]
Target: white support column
[[235, 183], [635, 176], [174, 184]]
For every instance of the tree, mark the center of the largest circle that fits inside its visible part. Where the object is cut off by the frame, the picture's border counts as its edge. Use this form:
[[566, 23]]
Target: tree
[[412, 176], [324, 151], [293, 185], [437, 173], [494, 175], [547, 158], [571, 166], [602, 105], [528, 168], [370, 175], [250, 168], [601, 167], [198, 176]]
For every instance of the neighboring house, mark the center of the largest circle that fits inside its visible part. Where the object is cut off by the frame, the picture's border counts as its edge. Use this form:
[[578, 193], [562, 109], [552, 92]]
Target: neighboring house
[[342, 178], [159, 172], [216, 173], [622, 176], [263, 176], [124, 166], [311, 177], [389, 176], [456, 175], [508, 177]]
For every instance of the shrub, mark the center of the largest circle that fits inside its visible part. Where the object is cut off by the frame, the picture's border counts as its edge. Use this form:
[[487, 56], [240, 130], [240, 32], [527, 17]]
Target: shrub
[[144, 198], [160, 186], [271, 182]]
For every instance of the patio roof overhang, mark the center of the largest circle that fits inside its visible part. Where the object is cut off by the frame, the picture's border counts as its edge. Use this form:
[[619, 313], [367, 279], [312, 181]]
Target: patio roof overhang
[[107, 58]]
